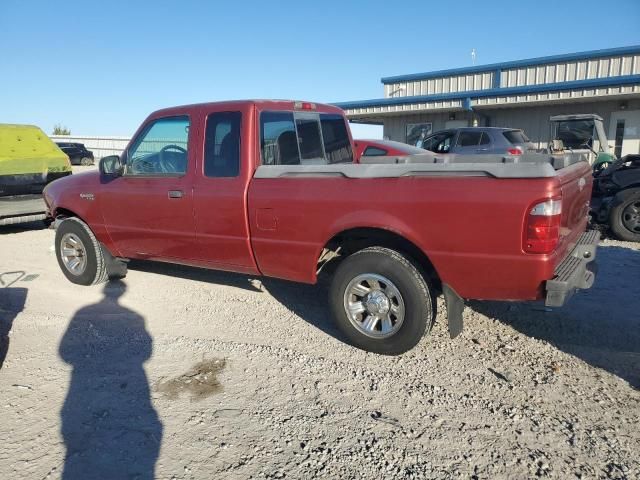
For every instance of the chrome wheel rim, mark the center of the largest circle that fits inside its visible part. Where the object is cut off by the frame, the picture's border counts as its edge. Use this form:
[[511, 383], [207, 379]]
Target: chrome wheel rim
[[73, 253], [374, 305], [631, 217]]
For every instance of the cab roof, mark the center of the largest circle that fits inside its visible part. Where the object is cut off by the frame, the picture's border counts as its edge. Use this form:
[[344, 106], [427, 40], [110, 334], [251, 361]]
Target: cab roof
[[260, 104]]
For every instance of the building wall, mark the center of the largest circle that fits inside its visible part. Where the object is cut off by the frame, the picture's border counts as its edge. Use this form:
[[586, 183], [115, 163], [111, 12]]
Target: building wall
[[534, 120], [549, 70]]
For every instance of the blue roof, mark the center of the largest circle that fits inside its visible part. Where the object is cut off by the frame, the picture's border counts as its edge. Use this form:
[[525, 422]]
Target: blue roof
[[495, 92], [569, 57]]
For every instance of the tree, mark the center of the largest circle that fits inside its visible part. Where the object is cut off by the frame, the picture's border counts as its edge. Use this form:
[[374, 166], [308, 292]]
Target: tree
[[58, 129]]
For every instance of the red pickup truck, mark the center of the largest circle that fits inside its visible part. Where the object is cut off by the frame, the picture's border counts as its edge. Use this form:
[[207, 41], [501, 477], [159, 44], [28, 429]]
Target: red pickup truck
[[271, 188]]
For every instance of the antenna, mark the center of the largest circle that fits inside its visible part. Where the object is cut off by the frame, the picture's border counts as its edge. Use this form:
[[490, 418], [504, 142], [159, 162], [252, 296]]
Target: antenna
[[473, 56]]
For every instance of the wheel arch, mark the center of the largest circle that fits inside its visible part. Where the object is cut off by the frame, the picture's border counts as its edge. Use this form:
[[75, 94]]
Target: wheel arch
[[351, 240], [61, 212], [98, 230]]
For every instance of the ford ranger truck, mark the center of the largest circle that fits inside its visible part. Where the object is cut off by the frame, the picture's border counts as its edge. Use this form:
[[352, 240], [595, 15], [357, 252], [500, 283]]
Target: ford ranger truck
[[271, 188], [28, 161]]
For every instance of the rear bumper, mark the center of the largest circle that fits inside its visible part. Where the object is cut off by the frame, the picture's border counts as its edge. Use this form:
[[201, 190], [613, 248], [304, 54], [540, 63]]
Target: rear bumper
[[576, 272]]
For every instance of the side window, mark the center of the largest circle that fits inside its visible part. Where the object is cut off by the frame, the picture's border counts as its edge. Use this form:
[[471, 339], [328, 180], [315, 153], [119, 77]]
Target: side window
[[374, 152], [485, 139], [161, 149], [444, 145], [278, 139], [431, 142], [222, 145], [468, 138], [337, 146]]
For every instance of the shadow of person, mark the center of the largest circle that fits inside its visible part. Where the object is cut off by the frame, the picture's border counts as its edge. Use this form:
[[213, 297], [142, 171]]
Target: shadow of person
[[109, 426], [12, 302]]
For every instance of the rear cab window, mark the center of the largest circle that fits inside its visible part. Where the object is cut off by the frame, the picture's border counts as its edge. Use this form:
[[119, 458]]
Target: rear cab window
[[304, 138]]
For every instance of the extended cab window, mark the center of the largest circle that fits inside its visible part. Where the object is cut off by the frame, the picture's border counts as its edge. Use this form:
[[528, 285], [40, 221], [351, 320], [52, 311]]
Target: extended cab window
[[222, 145], [161, 149], [294, 138]]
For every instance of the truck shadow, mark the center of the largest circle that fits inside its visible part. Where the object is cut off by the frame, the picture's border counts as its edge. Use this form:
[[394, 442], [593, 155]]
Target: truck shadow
[[109, 426], [601, 326], [309, 302]]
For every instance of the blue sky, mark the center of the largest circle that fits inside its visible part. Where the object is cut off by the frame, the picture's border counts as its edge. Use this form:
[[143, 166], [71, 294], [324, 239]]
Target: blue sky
[[99, 67]]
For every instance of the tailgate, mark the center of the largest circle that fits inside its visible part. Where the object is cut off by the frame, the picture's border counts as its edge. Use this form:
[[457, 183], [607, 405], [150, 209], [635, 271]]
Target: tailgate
[[575, 183]]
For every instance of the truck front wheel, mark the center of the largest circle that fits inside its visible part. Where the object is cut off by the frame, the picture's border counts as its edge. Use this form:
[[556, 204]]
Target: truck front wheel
[[79, 254], [381, 302], [625, 215]]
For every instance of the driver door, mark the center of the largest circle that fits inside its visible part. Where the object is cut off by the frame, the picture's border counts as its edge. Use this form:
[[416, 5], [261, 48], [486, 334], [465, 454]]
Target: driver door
[[148, 211]]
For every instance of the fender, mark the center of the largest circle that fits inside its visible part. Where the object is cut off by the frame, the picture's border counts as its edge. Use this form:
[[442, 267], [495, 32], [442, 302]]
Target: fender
[[75, 196]]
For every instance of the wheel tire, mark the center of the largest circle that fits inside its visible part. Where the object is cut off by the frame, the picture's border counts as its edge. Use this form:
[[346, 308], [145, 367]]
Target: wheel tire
[[623, 201], [414, 290], [86, 161], [95, 270]]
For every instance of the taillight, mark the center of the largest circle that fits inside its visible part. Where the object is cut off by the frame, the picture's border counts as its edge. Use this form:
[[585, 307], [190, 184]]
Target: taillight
[[514, 151], [542, 231]]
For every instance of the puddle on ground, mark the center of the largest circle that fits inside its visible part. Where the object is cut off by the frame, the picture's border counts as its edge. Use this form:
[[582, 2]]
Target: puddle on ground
[[199, 382]]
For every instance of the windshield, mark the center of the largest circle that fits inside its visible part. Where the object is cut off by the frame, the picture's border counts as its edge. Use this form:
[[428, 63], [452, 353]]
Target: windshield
[[575, 134]]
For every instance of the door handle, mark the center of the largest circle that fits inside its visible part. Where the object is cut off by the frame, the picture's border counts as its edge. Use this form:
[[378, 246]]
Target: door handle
[[175, 194], [482, 150]]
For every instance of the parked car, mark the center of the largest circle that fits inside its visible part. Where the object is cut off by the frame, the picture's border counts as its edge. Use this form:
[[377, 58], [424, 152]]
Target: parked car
[[616, 198], [287, 199], [479, 140], [383, 148], [77, 153], [28, 161]]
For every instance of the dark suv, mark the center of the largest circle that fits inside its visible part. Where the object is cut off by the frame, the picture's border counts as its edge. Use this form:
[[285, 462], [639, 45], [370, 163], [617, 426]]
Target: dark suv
[[479, 140], [77, 153]]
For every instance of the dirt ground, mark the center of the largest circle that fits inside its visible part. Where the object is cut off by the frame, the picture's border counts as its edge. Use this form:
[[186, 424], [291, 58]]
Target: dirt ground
[[180, 373]]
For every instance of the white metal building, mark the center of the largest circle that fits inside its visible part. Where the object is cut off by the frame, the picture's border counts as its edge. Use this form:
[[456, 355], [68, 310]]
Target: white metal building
[[519, 94], [100, 146]]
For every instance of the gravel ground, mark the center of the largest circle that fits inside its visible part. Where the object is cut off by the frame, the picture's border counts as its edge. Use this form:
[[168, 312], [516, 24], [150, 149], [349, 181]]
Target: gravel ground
[[204, 375]]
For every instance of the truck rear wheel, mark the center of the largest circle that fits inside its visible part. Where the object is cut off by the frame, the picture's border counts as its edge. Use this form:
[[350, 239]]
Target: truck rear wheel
[[79, 254], [625, 215], [381, 302]]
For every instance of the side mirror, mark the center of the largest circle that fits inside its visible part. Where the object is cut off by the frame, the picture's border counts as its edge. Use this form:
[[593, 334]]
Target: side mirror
[[111, 165]]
